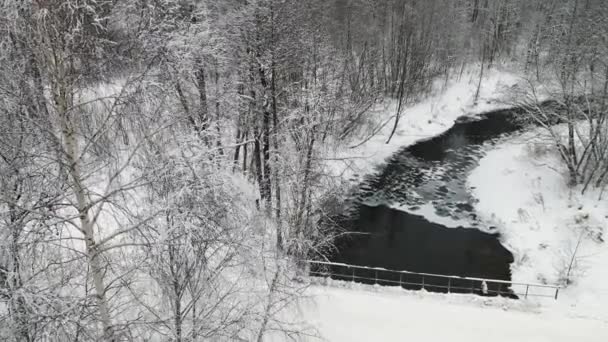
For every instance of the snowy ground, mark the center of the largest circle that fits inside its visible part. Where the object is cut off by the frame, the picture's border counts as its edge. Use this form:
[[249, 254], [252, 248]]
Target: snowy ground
[[366, 314], [521, 188]]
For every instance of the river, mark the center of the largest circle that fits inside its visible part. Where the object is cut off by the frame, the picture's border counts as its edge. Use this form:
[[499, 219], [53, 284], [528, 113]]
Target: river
[[431, 173]]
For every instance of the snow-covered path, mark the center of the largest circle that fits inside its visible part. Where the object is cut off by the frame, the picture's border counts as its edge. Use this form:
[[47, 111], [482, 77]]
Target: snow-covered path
[[360, 315]]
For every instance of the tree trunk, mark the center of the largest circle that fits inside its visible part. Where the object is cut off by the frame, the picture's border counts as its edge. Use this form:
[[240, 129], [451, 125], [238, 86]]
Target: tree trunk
[[265, 185], [201, 84], [257, 159], [218, 128], [483, 62], [572, 155], [275, 126], [240, 134], [72, 154], [401, 93], [237, 149], [305, 185], [245, 136], [269, 304], [13, 280], [475, 14], [184, 102], [177, 302], [87, 229]]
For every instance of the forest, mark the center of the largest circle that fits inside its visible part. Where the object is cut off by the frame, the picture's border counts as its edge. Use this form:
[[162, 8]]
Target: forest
[[163, 162]]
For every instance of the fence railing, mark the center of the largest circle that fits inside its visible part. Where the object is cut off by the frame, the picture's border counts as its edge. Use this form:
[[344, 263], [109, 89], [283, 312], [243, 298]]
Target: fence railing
[[429, 281]]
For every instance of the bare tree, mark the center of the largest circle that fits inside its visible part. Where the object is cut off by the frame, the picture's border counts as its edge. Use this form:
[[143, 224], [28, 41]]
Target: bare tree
[[577, 88]]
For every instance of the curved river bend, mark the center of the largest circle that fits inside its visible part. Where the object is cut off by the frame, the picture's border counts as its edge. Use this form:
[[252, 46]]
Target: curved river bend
[[430, 174]]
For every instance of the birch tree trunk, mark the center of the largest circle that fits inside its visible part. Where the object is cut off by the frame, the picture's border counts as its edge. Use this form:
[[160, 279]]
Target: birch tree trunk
[[63, 95]]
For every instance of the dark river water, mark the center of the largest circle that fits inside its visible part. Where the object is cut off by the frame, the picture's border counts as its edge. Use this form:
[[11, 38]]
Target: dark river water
[[433, 172]]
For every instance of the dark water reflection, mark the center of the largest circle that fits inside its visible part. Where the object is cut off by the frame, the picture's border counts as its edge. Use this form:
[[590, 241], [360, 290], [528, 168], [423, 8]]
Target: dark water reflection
[[396, 240]]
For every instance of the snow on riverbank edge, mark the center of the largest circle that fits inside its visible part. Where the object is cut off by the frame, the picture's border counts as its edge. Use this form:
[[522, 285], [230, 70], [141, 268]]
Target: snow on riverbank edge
[[522, 189], [432, 116]]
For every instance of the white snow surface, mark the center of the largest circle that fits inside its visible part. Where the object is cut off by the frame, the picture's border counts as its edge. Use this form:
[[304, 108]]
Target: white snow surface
[[522, 189], [367, 313], [429, 212]]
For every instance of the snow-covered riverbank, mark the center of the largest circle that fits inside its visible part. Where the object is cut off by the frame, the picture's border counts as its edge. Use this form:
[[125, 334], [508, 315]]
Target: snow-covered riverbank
[[550, 228], [429, 118]]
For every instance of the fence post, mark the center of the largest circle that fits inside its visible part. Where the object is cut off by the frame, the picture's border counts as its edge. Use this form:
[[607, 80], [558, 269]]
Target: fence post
[[556, 292], [376, 277], [353, 278], [423, 282], [499, 288], [472, 286], [449, 284], [526, 295]]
